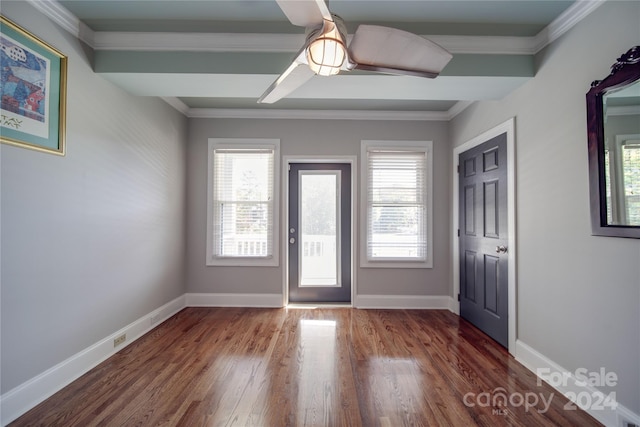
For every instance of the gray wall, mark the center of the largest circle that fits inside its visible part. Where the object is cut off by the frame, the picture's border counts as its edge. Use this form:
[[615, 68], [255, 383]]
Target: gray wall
[[94, 240], [315, 137], [578, 295]]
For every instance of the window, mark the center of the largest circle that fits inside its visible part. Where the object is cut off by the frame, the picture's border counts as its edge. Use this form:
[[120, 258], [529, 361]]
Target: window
[[397, 198], [622, 180], [631, 180], [242, 202]]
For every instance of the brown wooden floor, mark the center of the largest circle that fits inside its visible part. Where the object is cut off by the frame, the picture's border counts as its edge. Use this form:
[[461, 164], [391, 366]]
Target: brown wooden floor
[[303, 367]]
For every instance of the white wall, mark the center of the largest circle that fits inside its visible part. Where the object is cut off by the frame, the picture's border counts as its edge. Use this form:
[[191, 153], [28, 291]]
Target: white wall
[[314, 137], [93, 240], [578, 295]]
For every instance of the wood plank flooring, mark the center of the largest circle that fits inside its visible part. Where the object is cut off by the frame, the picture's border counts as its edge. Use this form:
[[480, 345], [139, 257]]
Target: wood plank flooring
[[307, 367]]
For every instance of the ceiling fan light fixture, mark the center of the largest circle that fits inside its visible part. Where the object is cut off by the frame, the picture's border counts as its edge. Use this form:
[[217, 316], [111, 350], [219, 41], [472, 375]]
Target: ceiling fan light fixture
[[327, 53], [372, 48]]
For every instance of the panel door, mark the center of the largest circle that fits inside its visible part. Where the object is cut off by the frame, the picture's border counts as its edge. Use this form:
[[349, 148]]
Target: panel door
[[483, 237]]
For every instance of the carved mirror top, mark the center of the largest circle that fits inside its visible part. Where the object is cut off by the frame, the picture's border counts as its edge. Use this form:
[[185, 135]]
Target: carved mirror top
[[630, 58], [613, 125]]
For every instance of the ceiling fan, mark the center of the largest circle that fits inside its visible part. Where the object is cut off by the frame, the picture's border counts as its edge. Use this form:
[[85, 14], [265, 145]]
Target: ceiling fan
[[373, 48]]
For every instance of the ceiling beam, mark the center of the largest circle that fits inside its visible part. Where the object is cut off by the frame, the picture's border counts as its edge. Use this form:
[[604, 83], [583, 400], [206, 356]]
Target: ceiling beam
[[272, 63], [372, 87], [456, 44]]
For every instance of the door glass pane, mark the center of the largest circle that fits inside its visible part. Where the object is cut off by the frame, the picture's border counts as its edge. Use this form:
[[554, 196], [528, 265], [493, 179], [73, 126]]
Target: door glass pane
[[319, 223]]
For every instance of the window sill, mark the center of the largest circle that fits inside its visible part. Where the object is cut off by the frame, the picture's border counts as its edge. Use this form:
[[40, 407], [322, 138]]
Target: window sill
[[242, 262], [396, 264]]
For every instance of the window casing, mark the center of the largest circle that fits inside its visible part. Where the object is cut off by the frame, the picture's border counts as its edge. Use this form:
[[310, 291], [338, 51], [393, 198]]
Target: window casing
[[242, 215], [397, 230]]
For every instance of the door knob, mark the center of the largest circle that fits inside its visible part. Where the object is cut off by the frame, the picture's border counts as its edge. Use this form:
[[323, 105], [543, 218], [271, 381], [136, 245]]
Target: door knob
[[501, 249]]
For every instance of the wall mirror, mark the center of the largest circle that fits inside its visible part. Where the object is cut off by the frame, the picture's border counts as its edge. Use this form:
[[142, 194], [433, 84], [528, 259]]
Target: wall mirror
[[613, 122]]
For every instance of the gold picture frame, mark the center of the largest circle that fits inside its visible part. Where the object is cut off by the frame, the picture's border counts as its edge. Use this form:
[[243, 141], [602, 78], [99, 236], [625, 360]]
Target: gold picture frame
[[34, 87]]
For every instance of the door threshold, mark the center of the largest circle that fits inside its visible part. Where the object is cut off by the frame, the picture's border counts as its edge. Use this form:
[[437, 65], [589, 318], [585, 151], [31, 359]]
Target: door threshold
[[312, 305]]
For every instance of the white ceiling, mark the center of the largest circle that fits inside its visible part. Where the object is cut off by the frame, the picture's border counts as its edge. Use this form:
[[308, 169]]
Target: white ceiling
[[214, 58]]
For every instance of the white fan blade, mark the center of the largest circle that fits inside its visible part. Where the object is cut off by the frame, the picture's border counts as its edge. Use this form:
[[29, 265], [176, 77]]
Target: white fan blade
[[305, 13], [295, 76], [390, 50]]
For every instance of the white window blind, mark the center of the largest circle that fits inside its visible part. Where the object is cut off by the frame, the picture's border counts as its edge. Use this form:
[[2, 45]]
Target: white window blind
[[396, 205], [243, 203]]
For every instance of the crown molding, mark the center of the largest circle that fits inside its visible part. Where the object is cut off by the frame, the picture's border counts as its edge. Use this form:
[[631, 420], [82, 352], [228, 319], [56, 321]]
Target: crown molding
[[564, 22], [177, 104], [65, 19], [245, 113], [240, 113], [458, 108]]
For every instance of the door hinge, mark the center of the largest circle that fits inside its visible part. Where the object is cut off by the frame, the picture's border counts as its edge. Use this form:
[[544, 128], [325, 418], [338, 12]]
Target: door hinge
[[458, 296], [458, 232], [458, 168]]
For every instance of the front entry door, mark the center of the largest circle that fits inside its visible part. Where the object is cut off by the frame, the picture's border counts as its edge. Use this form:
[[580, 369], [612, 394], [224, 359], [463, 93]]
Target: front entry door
[[484, 238], [319, 232]]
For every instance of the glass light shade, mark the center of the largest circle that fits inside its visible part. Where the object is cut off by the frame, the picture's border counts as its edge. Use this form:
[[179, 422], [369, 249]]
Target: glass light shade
[[327, 53]]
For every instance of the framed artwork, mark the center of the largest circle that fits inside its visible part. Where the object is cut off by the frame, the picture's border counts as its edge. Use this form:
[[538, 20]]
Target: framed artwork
[[33, 77]]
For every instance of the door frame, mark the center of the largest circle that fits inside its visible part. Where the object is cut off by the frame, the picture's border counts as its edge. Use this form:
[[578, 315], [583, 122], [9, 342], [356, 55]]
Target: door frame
[[286, 161], [509, 128]]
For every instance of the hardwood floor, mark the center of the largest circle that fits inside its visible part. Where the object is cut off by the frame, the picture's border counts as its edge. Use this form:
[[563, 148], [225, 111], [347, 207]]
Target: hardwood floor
[[308, 367]]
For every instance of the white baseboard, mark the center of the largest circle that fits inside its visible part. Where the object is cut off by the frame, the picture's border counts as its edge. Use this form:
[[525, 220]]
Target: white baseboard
[[362, 301], [234, 300], [551, 372], [433, 302], [19, 400]]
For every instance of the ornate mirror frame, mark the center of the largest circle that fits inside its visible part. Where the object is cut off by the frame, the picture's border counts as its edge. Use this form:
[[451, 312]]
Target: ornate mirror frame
[[624, 72]]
